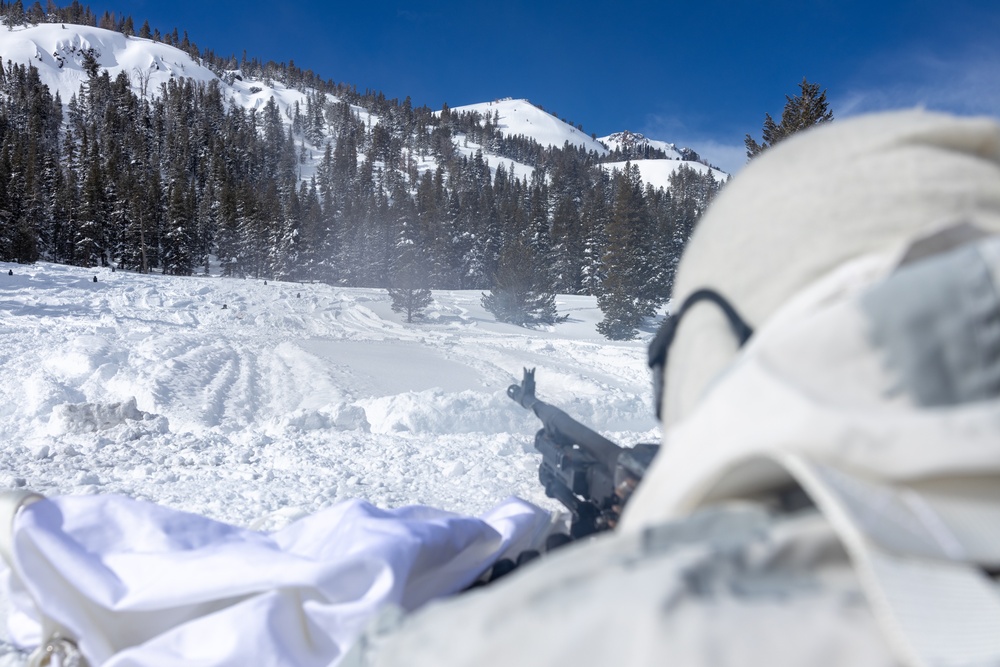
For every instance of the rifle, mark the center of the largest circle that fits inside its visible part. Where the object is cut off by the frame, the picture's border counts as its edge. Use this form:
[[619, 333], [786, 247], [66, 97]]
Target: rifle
[[590, 475]]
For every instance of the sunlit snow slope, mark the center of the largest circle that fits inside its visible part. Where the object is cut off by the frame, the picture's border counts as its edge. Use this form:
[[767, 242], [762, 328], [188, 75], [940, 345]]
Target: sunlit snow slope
[[658, 172], [255, 403], [520, 117], [56, 50]]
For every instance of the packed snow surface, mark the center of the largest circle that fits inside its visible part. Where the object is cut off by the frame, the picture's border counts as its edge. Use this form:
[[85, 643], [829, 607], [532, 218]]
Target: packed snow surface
[[259, 403]]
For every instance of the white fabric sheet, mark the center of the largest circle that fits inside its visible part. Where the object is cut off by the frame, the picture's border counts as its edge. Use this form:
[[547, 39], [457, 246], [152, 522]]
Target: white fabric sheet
[[141, 584]]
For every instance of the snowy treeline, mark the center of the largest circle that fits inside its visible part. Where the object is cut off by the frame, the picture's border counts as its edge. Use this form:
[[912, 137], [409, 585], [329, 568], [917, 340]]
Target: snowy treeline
[[160, 180]]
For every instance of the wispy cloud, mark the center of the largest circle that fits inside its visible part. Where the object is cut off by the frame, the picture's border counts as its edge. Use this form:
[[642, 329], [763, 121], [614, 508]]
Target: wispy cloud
[[409, 15], [728, 154], [966, 81], [729, 157]]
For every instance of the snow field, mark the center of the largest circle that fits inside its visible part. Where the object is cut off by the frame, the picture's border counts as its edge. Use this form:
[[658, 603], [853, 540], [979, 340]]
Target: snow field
[[257, 404]]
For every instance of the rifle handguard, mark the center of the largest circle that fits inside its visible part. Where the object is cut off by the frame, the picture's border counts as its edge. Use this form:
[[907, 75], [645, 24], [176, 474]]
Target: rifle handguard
[[589, 474]]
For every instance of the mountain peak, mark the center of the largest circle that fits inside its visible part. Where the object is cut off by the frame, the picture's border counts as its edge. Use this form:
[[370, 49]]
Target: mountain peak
[[627, 138], [520, 117], [636, 144]]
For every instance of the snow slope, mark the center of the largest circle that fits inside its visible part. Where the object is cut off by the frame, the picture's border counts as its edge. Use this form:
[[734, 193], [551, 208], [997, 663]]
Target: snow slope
[[521, 117], [259, 403], [628, 139], [56, 50], [658, 172]]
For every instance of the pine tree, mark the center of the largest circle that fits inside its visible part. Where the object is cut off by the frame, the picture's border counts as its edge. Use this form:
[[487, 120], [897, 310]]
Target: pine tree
[[622, 310], [516, 296], [91, 61], [90, 247], [801, 112], [594, 221], [625, 297], [409, 290], [179, 241]]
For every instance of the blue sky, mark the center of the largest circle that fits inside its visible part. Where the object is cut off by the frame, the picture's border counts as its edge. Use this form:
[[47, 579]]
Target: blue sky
[[698, 73]]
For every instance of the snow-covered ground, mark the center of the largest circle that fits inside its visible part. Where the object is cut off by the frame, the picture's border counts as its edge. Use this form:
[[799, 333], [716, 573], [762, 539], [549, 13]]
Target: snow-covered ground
[[258, 403]]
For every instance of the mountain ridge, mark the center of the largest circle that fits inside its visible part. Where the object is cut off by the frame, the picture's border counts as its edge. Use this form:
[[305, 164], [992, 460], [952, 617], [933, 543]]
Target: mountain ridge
[[60, 51]]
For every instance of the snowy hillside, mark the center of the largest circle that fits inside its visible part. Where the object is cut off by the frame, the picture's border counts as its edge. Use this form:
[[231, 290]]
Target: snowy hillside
[[256, 403], [658, 172], [57, 51], [634, 141], [521, 117], [654, 171]]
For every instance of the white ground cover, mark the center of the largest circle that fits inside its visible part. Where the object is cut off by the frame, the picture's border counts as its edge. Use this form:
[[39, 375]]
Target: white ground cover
[[258, 403]]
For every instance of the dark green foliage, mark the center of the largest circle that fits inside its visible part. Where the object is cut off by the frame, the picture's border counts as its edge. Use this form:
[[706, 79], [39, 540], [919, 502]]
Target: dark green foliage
[[410, 274], [628, 291], [801, 112], [622, 312], [644, 238], [91, 61], [168, 179], [520, 295]]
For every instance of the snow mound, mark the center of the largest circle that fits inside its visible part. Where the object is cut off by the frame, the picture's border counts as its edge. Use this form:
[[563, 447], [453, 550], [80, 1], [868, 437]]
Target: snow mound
[[436, 411], [68, 419], [340, 417]]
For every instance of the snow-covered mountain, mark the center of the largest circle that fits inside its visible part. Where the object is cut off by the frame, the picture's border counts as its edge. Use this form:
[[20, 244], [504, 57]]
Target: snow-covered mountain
[[635, 142], [521, 117], [655, 170], [58, 52]]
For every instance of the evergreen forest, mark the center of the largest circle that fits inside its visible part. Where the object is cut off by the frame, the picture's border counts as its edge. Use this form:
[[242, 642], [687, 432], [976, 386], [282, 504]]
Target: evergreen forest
[[175, 179]]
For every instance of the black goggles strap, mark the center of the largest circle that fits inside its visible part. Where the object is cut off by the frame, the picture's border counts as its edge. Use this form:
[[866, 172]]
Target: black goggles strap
[[665, 336]]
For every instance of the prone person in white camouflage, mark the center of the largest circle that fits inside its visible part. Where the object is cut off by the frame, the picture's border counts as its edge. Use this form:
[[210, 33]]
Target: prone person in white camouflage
[[828, 488]]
